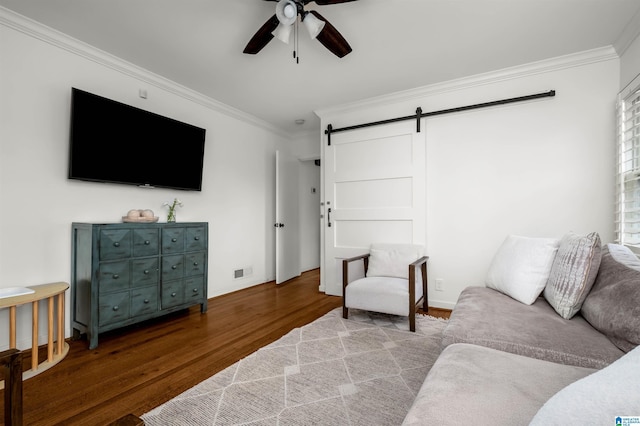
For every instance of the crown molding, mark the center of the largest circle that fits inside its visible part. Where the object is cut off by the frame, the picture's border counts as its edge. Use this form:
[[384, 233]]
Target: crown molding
[[539, 67], [37, 30]]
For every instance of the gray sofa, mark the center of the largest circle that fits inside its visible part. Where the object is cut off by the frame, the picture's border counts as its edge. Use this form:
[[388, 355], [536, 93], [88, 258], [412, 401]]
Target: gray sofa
[[507, 362]]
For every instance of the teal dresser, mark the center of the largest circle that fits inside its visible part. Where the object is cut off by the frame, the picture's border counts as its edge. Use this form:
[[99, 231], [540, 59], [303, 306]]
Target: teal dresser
[[125, 273]]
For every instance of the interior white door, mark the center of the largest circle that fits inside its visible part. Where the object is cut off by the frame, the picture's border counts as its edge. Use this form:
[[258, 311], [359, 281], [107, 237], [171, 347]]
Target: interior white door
[[374, 192], [287, 218]]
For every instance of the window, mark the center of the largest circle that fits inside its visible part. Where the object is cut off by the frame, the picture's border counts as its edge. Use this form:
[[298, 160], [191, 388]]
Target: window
[[628, 174]]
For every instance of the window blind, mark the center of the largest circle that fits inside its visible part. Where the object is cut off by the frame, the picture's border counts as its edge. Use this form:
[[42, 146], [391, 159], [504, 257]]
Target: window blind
[[628, 175]]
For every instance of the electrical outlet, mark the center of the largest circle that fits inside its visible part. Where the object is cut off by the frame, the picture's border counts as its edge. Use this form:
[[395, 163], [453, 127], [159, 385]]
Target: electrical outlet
[[439, 284]]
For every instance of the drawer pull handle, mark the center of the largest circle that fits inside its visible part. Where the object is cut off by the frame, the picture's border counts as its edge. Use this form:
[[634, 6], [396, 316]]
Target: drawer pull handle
[[173, 240], [195, 263], [173, 295], [115, 308], [146, 300], [195, 290], [196, 238], [147, 242], [116, 276], [174, 267], [146, 272], [116, 244]]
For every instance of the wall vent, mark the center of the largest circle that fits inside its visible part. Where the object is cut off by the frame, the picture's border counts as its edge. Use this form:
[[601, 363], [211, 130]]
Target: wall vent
[[244, 272]]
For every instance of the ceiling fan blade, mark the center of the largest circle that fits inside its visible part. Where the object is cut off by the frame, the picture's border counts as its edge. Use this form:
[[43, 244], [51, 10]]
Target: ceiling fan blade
[[326, 2], [262, 37], [331, 38]]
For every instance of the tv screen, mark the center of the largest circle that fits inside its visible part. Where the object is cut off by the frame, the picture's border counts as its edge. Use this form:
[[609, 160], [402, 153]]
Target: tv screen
[[118, 143]]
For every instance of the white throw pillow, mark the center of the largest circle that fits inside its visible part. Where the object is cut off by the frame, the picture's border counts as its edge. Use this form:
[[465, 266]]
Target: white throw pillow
[[392, 260], [597, 399], [521, 267]]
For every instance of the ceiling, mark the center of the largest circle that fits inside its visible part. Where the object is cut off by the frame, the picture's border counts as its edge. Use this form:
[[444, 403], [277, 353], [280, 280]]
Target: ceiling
[[397, 44]]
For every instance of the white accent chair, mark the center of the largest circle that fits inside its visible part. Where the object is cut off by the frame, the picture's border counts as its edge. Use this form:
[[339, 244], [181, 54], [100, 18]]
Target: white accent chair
[[395, 280]]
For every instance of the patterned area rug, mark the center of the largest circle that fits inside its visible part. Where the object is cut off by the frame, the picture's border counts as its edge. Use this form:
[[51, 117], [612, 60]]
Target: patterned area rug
[[366, 370]]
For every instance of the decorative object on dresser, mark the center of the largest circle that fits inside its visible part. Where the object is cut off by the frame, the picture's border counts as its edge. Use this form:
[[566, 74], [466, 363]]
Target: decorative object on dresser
[[171, 215], [125, 273], [140, 215]]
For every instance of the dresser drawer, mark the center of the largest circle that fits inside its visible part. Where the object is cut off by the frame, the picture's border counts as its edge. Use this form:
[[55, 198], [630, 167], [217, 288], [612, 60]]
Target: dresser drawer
[[146, 242], [195, 238], [193, 289], [114, 276], [172, 267], [114, 307], [144, 301], [172, 240], [172, 293], [144, 271], [115, 244], [194, 263]]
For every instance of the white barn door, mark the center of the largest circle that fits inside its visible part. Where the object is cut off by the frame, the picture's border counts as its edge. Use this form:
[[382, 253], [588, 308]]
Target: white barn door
[[374, 192]]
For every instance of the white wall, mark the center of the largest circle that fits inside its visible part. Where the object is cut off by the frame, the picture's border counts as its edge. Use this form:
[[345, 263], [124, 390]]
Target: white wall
[[306, 147], [38, 203], [309, 203], [630, 63], [539, 168]]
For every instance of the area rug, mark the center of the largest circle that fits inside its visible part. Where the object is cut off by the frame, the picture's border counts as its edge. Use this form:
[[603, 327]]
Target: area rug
[[366, 370]]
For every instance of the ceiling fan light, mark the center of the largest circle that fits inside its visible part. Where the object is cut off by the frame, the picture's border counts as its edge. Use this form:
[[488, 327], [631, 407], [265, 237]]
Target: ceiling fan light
[[283, 33], [313, 24], [286, 12]]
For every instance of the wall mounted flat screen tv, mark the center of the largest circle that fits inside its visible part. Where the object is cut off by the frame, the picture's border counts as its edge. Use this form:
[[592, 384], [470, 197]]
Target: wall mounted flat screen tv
[[117, 143]]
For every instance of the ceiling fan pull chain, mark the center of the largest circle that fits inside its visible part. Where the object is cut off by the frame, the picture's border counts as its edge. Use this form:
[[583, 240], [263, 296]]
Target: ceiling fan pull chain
[[295, 43]]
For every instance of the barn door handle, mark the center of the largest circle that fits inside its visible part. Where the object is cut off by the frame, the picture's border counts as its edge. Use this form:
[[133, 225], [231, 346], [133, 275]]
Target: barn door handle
[[329, 217]]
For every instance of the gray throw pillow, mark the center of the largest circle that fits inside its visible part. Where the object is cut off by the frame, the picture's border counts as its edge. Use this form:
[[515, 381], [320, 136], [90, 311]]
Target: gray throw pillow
[[573, 272], [613, 305]]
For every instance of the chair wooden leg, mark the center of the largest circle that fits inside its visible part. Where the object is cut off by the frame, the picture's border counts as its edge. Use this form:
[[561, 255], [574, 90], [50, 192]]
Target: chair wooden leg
[[425, 288], [11, 369], [412, 317], [345, 312]]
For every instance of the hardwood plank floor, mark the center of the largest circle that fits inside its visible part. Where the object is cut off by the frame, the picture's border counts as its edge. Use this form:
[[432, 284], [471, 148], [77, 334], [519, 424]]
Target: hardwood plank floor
[[138, 368]]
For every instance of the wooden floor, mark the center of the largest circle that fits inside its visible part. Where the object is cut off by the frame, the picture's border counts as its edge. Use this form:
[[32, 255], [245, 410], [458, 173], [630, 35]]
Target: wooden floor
[[138, 368]]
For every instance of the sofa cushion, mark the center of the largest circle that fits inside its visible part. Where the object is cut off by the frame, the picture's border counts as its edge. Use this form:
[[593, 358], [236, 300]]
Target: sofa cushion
[[392, 260], [486, 317], [573, 273], [598, 398], [381, 294], [474, 385], [521, 266], [613, 305]]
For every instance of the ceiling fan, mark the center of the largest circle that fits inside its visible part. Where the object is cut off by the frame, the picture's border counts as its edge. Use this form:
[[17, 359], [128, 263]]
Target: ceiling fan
[[281, 24]]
